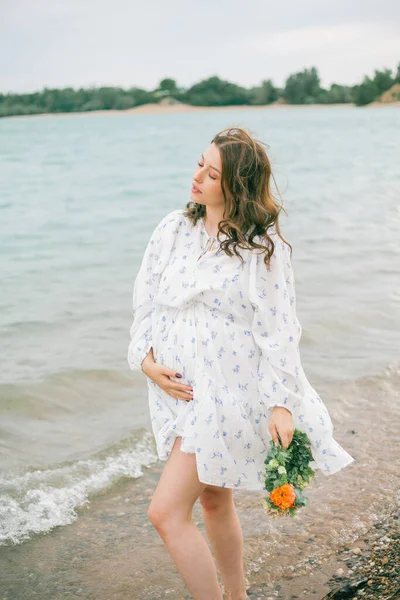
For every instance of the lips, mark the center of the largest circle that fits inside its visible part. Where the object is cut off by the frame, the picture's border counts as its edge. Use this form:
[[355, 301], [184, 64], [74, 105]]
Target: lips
[[195, 189]]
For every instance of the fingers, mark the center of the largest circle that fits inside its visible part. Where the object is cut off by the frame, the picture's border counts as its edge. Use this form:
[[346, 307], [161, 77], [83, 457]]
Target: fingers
[[177, 390], [170, 372], [286, 436], [180, 391], [181, 395], [274, 434], [181, 388], [281, 435], [285, 441]]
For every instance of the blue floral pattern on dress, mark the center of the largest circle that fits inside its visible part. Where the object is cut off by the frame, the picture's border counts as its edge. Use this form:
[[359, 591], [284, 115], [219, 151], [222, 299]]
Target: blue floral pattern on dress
[[233, 334]]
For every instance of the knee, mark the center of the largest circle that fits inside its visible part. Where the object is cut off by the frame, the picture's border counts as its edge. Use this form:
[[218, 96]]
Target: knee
[[163, 517], [215, 501], [158, 516]]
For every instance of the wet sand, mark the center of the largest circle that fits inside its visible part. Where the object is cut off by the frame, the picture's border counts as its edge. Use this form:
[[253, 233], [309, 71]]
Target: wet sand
[[371, 568], [112, 552]]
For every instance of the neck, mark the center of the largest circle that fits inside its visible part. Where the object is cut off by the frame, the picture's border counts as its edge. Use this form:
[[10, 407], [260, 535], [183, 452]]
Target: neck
[[211, 219]]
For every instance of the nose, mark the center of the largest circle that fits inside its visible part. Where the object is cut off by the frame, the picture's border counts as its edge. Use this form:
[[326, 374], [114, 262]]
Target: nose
[[198, 174]]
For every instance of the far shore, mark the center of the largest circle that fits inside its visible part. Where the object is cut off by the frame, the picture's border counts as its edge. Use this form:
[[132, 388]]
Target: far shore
[[185, 108], [180, 108]]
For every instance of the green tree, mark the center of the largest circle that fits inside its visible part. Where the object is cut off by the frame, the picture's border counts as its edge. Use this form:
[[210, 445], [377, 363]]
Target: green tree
[[370, 89], [266, 93], [303, 87], [383, 80], [167, 85], [216, 92], [397, 76], [124, 102], [337, 94], [366, 92]]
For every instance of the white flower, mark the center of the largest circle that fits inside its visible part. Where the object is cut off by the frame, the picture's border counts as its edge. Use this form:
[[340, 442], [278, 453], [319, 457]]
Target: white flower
[[273, 462], [281, 470]]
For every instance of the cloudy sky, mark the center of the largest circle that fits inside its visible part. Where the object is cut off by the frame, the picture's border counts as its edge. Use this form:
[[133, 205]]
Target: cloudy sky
[[60, 43]]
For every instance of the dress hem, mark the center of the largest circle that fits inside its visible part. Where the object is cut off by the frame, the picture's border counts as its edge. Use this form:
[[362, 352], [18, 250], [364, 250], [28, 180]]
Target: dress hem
[[164, 457], [338, 468]]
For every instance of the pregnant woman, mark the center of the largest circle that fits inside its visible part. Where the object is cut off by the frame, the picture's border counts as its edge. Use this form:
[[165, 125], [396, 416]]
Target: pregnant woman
[[216, 334]]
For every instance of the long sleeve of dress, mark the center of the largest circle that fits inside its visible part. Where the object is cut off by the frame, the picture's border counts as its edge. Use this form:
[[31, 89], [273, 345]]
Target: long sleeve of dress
[[275, 327], [144, 289]]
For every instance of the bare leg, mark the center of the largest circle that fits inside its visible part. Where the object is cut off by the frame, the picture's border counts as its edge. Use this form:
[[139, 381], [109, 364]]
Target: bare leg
[[225, 534], [170, 512]]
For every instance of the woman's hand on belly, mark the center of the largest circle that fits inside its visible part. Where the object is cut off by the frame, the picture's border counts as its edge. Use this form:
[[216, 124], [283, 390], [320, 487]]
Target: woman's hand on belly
[[161, 374]]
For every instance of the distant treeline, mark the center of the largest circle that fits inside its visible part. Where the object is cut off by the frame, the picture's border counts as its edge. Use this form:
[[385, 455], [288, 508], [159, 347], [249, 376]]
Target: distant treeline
[[300, 88]]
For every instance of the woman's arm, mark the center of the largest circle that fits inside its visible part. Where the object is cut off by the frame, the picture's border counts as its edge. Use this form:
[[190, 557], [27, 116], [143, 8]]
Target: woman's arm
[[144, 290], [276, 328]]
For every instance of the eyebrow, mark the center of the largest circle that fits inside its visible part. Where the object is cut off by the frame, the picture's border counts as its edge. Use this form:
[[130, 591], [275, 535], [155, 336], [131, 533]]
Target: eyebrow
[[212, 166]]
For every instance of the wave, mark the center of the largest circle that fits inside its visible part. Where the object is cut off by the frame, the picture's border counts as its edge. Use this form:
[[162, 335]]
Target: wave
[[36, 501]]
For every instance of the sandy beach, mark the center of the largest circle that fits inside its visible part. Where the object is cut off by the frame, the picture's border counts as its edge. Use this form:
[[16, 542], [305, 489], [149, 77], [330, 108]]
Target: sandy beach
[[166, 108], [160, 108], [186, 108]]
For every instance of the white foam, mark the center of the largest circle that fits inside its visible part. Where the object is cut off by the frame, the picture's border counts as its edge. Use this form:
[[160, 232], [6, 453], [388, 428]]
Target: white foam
[[37, 501]]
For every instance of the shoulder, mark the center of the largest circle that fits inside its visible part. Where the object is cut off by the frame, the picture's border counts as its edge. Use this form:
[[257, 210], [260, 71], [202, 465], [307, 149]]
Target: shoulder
[[264, 239], [281, 251], [168, 222], [275, 237]]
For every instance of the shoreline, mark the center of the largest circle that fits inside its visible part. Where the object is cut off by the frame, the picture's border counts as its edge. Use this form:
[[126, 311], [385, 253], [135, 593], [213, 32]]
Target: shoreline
[[187, 108]]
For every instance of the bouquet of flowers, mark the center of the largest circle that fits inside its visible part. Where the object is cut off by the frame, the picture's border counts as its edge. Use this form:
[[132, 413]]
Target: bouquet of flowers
[[287, 474]]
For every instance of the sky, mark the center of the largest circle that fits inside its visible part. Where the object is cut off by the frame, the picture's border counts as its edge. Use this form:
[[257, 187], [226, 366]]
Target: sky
[[132, 43]]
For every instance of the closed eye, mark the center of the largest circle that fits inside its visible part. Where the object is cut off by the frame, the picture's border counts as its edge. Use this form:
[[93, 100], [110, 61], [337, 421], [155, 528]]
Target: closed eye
[[208, 174]]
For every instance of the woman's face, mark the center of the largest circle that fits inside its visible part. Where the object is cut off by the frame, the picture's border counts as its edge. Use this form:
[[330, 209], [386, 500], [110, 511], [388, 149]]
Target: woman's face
[[206, 188]]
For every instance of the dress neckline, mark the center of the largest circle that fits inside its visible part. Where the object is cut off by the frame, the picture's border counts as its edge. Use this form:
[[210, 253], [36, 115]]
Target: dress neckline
[[213, 237]]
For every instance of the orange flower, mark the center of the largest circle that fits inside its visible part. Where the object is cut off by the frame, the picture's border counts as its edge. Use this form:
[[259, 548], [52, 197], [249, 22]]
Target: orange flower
[[283, 496]]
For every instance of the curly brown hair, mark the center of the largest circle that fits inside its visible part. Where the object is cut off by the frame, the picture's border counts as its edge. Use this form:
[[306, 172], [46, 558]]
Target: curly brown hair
[[250, 206]]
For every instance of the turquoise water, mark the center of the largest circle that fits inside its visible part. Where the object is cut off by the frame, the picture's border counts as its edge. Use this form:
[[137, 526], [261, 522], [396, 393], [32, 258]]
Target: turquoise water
[[79, 198]]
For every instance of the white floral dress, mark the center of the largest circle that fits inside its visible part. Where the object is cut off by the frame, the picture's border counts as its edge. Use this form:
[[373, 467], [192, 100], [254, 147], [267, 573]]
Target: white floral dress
[[233, 334]]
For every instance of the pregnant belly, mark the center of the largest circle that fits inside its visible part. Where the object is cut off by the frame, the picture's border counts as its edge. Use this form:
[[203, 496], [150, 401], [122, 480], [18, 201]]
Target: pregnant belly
[[175, 340], [198, 341]]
